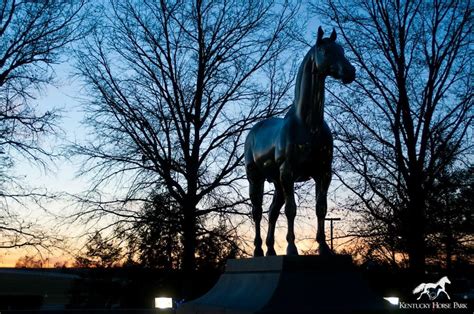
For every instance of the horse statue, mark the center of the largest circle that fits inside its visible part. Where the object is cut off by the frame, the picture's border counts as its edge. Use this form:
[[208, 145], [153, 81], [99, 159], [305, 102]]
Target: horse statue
[[297, 147], [432, 290]]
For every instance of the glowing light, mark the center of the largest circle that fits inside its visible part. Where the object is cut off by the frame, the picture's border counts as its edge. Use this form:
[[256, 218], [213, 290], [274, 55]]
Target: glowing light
[[392, 300], [163, 303]]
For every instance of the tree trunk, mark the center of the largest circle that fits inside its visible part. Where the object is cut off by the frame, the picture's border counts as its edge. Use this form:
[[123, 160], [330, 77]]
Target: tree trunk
[[189, 239], [416, 236], [188, 265]]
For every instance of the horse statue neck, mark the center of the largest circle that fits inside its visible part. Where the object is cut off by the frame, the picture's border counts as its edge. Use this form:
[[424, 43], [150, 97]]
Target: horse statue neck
[[442, 282], [309, 94]]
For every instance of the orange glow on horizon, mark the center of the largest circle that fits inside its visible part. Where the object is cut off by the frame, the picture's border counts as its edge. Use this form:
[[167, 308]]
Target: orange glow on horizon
[[9, 260]]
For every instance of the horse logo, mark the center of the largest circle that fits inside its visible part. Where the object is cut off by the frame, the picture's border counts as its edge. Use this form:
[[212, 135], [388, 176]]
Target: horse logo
[[432, 290]]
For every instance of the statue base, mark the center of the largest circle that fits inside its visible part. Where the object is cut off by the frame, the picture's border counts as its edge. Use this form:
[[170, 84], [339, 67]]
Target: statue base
[[289, 284]]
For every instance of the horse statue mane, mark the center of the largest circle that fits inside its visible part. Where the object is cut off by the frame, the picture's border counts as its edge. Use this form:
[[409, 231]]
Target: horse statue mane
[[297, 147]]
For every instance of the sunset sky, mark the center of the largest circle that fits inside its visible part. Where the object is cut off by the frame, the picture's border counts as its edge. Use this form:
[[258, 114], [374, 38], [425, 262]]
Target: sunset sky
[[61, 178]]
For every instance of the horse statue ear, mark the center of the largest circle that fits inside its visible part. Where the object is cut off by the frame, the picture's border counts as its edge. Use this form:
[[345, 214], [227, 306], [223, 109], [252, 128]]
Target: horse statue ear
[[333, 35], [320, 35]]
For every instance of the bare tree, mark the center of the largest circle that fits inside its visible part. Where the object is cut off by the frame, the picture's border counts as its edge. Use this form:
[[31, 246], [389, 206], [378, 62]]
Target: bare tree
[[33, 34], [409, 116], [100, 253], [155, 239], [173, 86]]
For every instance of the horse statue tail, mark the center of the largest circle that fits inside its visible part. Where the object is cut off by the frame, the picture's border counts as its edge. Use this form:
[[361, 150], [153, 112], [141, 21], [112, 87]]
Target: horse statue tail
[[419, 288]]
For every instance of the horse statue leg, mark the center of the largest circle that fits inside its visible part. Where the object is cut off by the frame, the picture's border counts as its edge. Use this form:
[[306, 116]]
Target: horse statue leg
[[274, 212], [256, 198], [287, 183], [322, 186]]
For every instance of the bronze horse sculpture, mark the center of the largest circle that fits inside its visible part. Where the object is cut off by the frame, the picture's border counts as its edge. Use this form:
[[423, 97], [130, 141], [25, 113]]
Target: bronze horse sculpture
[[297, 147]]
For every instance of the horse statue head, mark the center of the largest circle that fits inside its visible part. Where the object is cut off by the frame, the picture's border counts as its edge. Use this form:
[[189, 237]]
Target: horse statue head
[[328, 57]]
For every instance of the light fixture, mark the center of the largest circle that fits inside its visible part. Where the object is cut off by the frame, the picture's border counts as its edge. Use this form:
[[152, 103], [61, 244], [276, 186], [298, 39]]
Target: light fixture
[[163, 303], [392, 300]]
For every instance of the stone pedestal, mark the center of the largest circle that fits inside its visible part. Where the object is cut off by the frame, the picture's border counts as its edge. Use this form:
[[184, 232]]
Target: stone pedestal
[[288, 284]]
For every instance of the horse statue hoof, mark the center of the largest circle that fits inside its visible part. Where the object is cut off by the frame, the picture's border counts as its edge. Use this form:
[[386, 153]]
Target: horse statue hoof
[[271, 252], [324, 250], [291, 250], [258, 252]]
